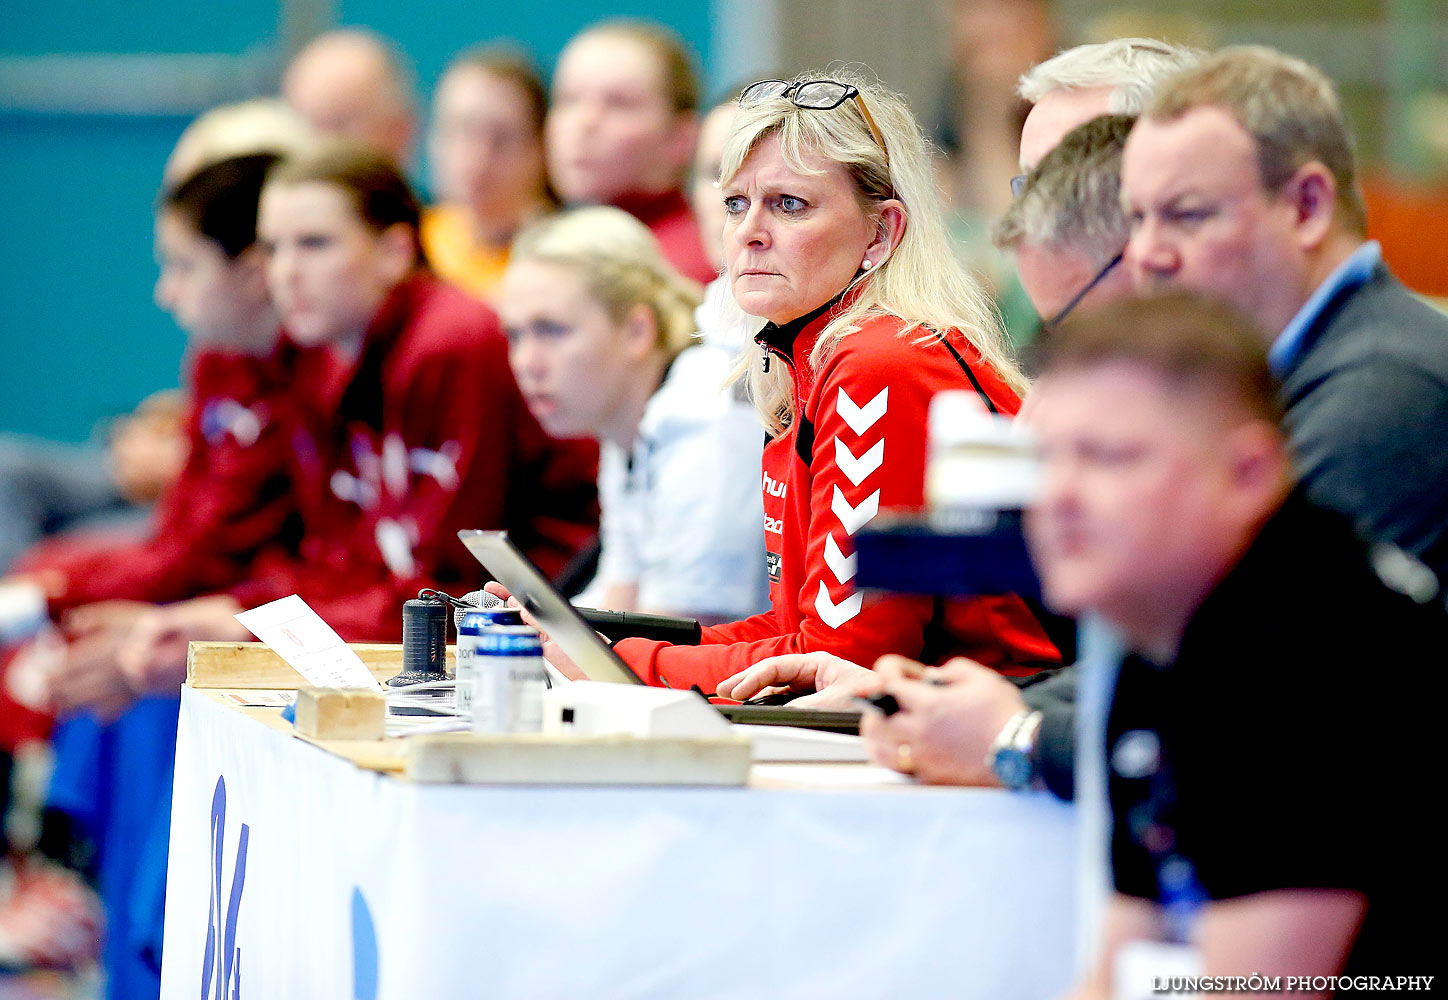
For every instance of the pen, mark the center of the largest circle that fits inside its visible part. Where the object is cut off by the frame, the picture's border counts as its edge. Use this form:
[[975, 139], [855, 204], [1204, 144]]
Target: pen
[[883, 703]]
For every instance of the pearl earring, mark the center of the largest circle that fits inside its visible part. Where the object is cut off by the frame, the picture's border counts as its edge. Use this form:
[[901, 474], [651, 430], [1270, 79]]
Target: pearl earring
[[866, 265]]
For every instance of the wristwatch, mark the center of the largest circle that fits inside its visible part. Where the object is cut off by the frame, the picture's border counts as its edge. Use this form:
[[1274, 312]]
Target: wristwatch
[[1012, 755]]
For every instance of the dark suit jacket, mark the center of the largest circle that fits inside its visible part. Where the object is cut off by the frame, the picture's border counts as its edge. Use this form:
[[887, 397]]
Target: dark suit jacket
[[1367, 415]]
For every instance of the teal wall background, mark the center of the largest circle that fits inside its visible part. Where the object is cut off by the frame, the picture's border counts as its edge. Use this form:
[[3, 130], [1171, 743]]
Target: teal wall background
[[80, 338]]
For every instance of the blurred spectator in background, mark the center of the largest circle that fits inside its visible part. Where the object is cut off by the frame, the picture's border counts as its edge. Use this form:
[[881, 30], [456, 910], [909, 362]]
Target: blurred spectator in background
[[621, 130], [1240, 182], [355, 84], [978, 127], [409, 424], [704, 196], [992, 42], [486, 146], [402, 425], [49, 487], [599, 331], [231, 497], [112, 781], [240, 129], [52, 487], [233, 494]]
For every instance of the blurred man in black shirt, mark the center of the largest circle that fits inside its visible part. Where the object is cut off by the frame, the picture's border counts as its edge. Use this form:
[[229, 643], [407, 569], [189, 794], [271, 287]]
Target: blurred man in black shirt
[[1263, 759]]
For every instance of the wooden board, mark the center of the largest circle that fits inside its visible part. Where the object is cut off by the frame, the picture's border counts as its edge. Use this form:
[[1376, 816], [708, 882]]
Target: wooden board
[[251, 665], [521, 759]]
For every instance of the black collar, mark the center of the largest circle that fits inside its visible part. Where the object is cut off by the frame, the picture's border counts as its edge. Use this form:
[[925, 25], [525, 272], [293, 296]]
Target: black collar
[[782, 337]]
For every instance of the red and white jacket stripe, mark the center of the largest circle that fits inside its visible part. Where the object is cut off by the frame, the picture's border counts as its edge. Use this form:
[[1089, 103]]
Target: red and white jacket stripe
[[857, 447]]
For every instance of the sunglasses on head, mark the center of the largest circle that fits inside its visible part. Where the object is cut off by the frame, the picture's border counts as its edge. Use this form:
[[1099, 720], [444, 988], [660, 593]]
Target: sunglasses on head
[[813, 95]]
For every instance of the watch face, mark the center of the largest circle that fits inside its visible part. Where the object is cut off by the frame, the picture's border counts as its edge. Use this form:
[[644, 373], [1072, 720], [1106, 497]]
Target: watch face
[[1013, 768]]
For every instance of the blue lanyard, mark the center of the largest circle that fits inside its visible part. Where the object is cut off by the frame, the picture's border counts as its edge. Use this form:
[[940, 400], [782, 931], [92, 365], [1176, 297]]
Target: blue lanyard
[[1179, 890]]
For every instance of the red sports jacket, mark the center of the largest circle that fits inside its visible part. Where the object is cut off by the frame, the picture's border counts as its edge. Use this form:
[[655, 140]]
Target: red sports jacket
[[857, 446], [230, 499], [673, 224], [423, 434]]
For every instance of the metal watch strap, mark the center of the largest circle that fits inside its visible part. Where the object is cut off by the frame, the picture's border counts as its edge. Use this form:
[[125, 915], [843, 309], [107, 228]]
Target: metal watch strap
[[1014, 748]]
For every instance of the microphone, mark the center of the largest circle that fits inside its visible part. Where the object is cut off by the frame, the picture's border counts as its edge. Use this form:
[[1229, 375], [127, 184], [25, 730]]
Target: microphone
[[424, 643], [473, 601], [616, 625]]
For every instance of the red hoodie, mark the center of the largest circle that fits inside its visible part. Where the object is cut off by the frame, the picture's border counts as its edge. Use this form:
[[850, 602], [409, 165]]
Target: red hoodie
[[673, 224], [230, 498], [422, 434], [857, 446]]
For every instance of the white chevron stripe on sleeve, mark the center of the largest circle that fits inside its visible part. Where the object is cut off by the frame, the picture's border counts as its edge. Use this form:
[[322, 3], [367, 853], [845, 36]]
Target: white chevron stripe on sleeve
[[832, 614], [858, 468], [862, 418], [853, 518], [841, 565]]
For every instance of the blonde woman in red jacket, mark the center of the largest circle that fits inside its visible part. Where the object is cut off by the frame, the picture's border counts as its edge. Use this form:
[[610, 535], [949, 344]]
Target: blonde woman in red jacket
[[834, 235]]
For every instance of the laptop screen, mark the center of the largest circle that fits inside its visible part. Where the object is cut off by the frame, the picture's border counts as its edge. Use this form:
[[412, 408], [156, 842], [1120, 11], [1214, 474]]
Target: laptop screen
[[549, 609]]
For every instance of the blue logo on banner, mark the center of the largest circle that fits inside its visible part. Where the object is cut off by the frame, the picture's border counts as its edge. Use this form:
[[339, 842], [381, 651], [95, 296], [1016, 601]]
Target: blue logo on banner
[[223, 957], [364, 949]]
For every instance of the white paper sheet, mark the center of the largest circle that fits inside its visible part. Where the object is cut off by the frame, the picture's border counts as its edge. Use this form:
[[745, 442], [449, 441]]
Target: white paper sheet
[[298, 635]]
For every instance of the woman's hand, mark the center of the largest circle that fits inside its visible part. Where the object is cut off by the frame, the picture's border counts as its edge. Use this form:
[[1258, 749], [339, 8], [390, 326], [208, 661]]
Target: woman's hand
[[835, 681], [87, 676], [153, 653], [555, 656], [102, 616]]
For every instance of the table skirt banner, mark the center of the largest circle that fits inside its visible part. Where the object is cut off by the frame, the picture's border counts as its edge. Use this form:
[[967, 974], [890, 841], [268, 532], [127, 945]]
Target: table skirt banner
[[295, 874]]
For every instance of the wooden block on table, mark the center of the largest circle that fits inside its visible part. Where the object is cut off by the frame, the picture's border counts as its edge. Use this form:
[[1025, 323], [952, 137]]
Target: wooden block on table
[[253, 665], [341, 713], [526, 759]]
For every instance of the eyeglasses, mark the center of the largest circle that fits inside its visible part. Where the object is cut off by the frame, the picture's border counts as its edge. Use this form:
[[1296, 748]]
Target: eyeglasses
[[1076, 300], [814, 95]]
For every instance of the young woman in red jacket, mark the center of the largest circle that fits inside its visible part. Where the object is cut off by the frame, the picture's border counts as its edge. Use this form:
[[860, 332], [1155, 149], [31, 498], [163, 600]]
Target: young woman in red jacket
[[834, 235], [407, 422], [112, 778], [232, 495]]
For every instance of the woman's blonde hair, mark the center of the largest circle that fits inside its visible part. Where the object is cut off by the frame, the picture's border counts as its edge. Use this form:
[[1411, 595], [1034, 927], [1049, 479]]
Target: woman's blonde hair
[[621, 266], [921, 280]]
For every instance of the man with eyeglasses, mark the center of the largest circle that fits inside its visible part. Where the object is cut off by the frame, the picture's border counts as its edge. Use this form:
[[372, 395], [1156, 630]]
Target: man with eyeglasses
[[1239, 182], [1066, 228], [1081, 83]]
